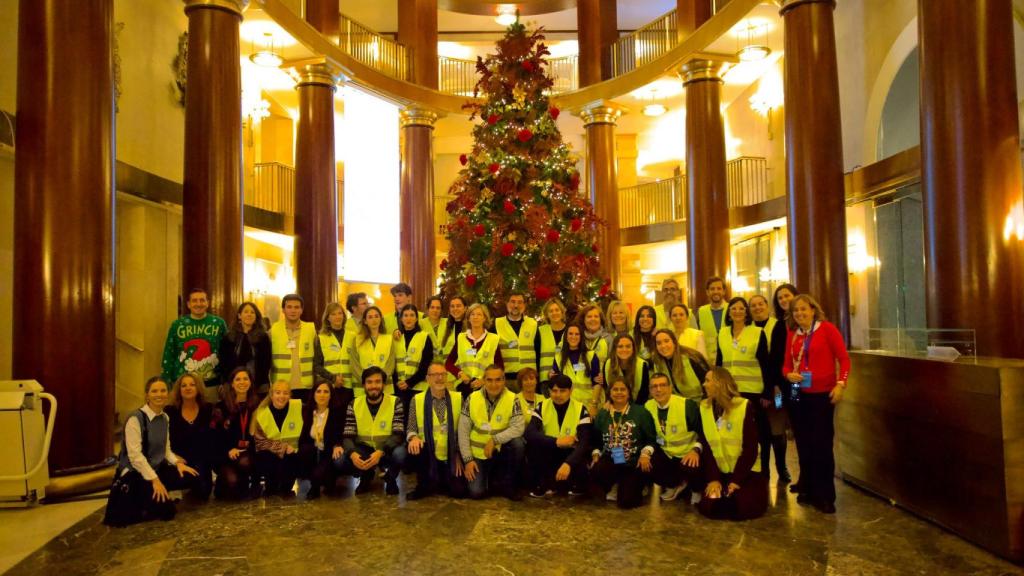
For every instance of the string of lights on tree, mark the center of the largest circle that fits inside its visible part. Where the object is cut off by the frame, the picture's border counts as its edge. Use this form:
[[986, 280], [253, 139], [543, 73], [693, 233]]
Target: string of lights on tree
[[517, 220]]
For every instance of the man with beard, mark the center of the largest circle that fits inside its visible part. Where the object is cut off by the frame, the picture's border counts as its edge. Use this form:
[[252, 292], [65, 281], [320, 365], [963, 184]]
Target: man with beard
[[710, 316], [520, 345], [374, 435]]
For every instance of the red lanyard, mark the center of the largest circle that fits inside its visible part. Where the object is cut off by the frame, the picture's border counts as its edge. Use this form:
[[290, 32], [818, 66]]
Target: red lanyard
[[804, 350], [244, 421]]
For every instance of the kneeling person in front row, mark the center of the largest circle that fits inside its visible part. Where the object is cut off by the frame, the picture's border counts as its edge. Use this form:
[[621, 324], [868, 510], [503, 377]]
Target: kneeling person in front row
[[558, 441], [676, 460], [491, 437], [375, 434], [624, 442], [434, 420]]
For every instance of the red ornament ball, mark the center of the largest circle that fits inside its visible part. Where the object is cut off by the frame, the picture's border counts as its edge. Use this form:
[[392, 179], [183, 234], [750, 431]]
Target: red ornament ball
[[553, 235], [479, 230], [492, 119], [574, 180], [594, 248], [494, 167], [554, 112], [470, 280], [507, 249], [528, 66], [524, 135], [576, 224], [542, 292], [463, 159], [604, 289], [509, 207], [444, 263]]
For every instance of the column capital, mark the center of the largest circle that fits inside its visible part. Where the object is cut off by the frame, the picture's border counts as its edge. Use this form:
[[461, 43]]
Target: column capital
[[788, 5], [702, 70], [418, 116], [234, 6], [317, 74], [601, 112]]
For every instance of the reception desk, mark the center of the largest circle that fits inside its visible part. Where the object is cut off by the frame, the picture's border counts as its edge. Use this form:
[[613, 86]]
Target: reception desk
[[942, 439]]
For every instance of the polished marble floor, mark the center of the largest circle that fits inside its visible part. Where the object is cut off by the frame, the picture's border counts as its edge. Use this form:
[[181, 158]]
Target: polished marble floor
[[377, 534]]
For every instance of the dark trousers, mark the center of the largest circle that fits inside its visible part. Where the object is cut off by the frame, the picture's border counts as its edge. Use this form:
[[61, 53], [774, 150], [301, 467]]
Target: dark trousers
[[320, 469], [750, 501], [131, 496], [544, 462], [813, 419], [629, 477], [278, 473], [500, 472], [764, 429], [234, 477], [433, 475], [669, 472], [391, 463]]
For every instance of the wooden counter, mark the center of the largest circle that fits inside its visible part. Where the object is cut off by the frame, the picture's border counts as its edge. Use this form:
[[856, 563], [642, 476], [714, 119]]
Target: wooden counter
[[944, 440]]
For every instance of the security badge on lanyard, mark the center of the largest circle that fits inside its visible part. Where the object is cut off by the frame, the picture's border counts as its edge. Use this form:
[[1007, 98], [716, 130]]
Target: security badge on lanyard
[[513, 344], [736, 346], [723, 422], [381, 424]]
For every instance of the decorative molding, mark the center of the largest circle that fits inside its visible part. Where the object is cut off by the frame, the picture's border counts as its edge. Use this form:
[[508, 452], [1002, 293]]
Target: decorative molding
[[602, 112], [118, 27], [180, 67], [416, 116], [236, 7], [702, 70]]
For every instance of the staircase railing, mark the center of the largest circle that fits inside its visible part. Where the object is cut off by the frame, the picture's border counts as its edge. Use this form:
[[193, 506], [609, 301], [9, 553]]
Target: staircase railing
[[375, 50], [656, 202], [273, 188]]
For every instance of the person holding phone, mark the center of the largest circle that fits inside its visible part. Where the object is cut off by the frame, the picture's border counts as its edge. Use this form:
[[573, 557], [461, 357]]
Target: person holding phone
[[814, 350]]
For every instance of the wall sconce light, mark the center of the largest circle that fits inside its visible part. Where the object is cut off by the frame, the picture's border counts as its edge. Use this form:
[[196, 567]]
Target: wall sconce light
[[267, 56]]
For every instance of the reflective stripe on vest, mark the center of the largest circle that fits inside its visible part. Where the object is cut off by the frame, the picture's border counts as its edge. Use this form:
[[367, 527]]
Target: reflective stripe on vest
[[440, 431], [638, 375], [281, 355], [676, 438], [707, 325], [549, 349], [484, 427], [371, 354], [740, 358], [582, 387], [407, 361], [374, 430], [521, 355], [474, 365], [290, 429], [435, 337], [726, 438], [335, 355], [570, 421]]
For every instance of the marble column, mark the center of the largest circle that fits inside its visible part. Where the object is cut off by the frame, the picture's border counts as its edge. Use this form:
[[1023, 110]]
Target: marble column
[[599, 122], [212, 203], [690, 15], [814, 159], [316, 192], [971, 172], [417, 29], [597, 25], [417, 202], [63, 232], [708, 251]]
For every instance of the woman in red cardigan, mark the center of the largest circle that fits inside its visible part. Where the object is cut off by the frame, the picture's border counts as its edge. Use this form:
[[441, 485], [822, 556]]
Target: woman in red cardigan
[[817, 364]]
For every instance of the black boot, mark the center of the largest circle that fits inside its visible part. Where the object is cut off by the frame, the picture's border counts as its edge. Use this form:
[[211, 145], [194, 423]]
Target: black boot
[[779, 447]]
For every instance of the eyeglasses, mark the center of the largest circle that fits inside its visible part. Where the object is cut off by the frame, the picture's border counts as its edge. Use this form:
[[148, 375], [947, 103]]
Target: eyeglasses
[[436, 374]]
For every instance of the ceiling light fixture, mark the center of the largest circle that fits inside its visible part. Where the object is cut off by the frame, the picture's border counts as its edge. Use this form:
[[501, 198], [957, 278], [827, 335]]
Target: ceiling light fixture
[[654, 110], [506, 15], [752, 51], [267, 56]]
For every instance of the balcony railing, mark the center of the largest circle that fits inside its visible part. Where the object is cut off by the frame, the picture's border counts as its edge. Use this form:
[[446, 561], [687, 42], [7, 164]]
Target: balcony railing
[[657, 202], [459, 77], [273, 188], [376, 51], [645, 44], [747, 181]]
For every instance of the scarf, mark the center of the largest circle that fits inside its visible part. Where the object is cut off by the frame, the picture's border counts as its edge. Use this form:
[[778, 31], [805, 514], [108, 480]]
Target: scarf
[[428, 435]]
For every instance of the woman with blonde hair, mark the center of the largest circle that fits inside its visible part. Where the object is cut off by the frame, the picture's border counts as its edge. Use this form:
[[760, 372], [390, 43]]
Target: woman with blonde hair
[[592, 325], [617, 319], [551, 333], [189, 419], [276, 430], [475, 350], [736, 489]]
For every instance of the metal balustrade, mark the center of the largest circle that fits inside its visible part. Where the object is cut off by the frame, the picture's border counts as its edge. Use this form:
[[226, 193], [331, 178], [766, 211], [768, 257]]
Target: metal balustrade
[[376, 51], [564, 71], [656, 202], [645, 44], [747, 181], [459, 77], [273, 188]]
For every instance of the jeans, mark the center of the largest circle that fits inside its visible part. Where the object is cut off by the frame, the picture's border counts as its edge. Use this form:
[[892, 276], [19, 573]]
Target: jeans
[[500, 471], [391, 463]]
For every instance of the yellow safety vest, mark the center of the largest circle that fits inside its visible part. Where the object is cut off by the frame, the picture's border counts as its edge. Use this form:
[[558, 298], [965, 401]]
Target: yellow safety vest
[[569, 423], [690, 337], [281, 354], [374, 431], [707, 326], [524, 405], [435, 337], [769, 329], [675, 438], [740, 358], [549, 349], [336, 356], [290, 429], [440, 430], [484, 427], [371, 354], [517, 350], [688, 386], [638, 375], [407, 360], [599, 347], [474, 362], [391, 322], [725, 437], [582, 387]]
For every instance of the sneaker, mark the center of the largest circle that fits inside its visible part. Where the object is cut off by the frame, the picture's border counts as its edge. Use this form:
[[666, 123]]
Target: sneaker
[[577, 492], [695, 498], [612, 494], [670, 494], [540, 493]]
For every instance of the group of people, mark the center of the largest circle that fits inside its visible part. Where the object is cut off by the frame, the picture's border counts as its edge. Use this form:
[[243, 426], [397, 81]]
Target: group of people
[[590, 403]]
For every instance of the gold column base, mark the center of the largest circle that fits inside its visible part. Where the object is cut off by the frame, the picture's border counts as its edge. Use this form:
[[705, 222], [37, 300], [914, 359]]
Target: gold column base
[[233, 6]]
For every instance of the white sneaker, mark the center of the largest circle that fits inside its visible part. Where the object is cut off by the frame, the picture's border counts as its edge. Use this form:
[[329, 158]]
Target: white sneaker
[[612, 494], [670, 494], [695, 498]]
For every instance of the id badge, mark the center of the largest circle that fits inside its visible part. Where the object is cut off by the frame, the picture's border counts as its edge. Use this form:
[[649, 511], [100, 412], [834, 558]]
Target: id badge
[[471, 352], [618, 455], [291, 344], [806, 382], [513, 344], [661, 441], [578, 367], [778, 400]]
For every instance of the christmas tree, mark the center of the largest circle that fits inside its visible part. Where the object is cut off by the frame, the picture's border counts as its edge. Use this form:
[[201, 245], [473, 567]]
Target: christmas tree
[[518, 221]]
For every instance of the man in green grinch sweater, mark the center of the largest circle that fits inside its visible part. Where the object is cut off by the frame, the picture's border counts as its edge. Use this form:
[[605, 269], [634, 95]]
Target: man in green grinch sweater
[[193, 341]]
